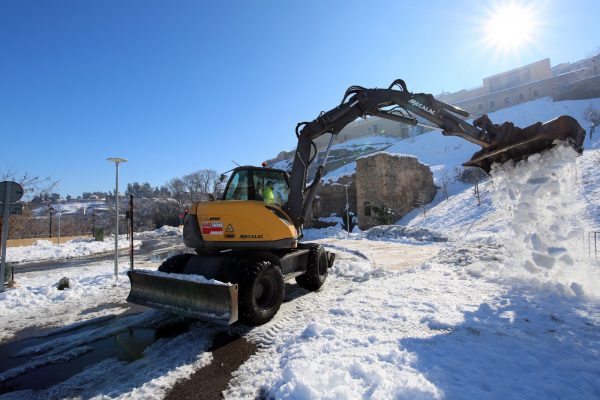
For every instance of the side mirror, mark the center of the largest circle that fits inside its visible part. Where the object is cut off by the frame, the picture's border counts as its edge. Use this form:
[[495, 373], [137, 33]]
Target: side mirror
[[222, 178], [211, 197]]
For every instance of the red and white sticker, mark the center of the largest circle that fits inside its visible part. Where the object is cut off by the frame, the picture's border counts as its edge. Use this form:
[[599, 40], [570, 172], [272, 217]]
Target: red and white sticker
[[212, 228]]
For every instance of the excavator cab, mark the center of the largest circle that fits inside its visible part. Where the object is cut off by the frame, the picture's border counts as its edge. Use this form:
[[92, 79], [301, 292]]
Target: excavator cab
[[262, 184]]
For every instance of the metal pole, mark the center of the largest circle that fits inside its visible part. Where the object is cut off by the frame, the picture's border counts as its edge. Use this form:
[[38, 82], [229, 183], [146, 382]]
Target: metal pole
[[116, 160], [117, 221], [4, 239], [59, 215], [50, 234], [131, 232], [347, 211]]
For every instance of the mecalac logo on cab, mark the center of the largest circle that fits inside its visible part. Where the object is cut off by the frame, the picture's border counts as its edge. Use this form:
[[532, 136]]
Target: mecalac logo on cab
[[251, 236]]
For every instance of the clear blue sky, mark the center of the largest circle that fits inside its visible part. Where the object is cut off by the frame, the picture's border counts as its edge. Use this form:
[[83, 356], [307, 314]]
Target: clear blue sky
[[177, 86]]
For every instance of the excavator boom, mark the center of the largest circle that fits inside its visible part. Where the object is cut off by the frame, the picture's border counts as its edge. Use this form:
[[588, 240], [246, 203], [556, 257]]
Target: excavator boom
[[500, 143]]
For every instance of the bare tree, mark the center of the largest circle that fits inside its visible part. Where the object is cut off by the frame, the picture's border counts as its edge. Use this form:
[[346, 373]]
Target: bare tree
[[32, 185], [193, 185], [592, 115], [202, 183], [26, 225], [178, 189]]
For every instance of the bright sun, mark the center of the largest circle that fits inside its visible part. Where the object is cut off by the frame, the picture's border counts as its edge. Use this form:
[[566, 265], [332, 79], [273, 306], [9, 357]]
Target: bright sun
[[510, 27]]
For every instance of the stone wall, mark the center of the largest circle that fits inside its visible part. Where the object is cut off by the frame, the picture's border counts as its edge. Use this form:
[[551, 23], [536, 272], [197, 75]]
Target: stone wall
[[393, 181], [332, 197]]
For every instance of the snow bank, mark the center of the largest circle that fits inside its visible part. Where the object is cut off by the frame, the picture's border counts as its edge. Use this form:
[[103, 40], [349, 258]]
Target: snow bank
[[163, 231], [46, 250]]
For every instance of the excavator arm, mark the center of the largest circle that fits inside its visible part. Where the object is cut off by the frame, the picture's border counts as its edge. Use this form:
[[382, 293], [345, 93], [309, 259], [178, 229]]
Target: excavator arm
[[499, 142]]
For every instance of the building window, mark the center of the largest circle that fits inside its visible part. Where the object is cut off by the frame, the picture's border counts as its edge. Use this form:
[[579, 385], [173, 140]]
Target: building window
[[506, 101], [521, 97], [514, 79], [494, 84], [536, 93], [492, 104]]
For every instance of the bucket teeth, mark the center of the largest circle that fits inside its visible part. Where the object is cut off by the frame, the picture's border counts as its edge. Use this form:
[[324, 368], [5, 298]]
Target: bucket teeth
[[186, 297]]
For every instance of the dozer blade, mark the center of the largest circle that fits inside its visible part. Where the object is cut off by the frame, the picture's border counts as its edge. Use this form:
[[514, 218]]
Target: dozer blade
[[515, 144], [194, 299]]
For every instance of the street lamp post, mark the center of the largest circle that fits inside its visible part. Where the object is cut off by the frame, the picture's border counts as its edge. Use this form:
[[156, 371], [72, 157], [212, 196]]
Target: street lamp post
[[59, 215], [117, 161]]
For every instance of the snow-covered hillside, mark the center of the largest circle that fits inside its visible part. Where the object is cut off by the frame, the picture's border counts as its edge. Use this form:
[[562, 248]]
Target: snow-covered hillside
[[445, 153]]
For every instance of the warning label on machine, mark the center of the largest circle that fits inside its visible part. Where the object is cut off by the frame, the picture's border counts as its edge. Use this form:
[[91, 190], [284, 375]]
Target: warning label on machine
[[212, 228]]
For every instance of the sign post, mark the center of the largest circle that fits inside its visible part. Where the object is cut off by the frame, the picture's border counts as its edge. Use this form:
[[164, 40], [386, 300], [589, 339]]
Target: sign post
[[10, 192]]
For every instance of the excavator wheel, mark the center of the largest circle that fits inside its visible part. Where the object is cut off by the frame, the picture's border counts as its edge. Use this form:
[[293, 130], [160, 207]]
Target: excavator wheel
[[316, 271], [260, 292], [175, 264]]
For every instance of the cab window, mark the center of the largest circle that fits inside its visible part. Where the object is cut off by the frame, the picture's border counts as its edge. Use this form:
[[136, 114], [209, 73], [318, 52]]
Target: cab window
[[239, 188], [270, 187]]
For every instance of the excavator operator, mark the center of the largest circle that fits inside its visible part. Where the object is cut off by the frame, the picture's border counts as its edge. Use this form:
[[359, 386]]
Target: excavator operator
[[267, 193]]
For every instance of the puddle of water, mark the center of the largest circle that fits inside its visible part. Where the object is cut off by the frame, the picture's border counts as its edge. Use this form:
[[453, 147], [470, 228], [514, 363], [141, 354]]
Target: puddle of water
[[125, 346]]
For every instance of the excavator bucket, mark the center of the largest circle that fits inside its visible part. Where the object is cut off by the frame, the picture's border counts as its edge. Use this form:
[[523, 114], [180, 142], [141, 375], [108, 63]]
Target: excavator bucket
[[515, 144], [179, 294]]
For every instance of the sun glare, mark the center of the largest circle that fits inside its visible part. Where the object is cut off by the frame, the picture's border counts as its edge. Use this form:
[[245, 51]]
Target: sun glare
[[510, 27]]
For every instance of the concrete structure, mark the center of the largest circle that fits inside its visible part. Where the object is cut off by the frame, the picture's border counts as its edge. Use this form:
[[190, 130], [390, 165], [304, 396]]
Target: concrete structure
[[528, 83], [393, 181]]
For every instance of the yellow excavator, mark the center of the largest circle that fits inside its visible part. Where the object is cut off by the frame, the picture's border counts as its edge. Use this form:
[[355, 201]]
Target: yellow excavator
[[247, 243]]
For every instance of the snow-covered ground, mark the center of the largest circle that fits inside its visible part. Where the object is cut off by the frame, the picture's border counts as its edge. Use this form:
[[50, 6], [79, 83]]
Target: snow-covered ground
[[46, 250], [74, 207], [498, 300]]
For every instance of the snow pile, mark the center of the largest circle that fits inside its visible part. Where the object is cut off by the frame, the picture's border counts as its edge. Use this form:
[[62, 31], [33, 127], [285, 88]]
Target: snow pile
[[163, 231], [398, 232], [46, 250], [545, 221]]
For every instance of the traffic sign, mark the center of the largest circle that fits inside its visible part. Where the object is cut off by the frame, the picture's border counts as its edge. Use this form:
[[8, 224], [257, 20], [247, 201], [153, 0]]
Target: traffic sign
[[15, 191], [13, 209]]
